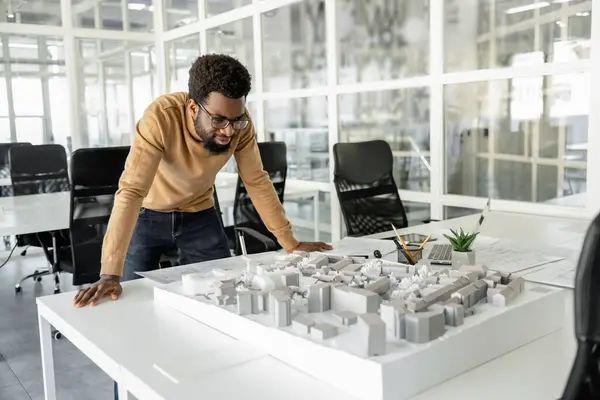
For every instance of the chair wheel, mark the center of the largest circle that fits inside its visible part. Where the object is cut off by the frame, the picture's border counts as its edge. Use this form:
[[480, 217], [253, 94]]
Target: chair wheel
[[56, 291], [18, 289], [57, 335], [38, 278]]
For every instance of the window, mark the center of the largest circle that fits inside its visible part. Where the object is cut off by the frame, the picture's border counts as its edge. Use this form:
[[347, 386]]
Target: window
[[516, 139], [472, 42], [381, 40], [181, 54], [236, 40], [401, 118], [294, 49], [302, 125]]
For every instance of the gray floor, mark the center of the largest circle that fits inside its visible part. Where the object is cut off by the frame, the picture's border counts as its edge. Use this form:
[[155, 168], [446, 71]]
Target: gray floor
[[77, 378]]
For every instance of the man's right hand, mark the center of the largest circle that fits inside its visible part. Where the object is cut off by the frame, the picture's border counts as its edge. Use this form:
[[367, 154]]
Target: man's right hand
[[108, 285]]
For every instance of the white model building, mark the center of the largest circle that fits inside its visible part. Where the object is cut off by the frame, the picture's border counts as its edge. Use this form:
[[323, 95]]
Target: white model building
[[290, 277], [506, 295], [340, 264], [323, 331], [318, 261], [454, 314], [360, 301], [480, 270], [370, 300], [346, 318], [319, 297], [392, 314], [424, 326], [370, 330], [281, 307], [379, 286], [261, 299], [302, 324], [225, 287], [245, 303], [472, 294], [193, 284]]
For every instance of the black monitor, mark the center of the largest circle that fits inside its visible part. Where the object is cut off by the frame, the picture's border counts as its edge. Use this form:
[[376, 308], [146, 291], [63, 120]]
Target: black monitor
[[584, 381]]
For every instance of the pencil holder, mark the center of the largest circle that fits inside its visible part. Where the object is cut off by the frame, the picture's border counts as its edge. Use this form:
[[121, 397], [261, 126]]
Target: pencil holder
[[404, 259]]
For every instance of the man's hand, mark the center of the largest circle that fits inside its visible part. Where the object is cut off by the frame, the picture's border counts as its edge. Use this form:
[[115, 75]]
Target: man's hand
[[312, 246], [108, 285]]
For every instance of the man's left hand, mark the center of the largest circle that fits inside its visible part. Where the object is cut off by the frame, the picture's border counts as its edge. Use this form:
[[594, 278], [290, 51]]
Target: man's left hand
[[312, 246]]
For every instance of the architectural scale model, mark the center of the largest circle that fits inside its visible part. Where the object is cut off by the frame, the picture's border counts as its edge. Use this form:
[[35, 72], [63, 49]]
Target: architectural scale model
[[340, 311]]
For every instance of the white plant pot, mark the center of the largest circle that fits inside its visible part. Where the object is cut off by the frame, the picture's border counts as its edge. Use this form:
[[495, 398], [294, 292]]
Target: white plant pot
[[463, 258]]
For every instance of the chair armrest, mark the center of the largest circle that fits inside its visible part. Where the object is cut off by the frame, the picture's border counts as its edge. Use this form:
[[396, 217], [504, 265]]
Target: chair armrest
[[269, 244]]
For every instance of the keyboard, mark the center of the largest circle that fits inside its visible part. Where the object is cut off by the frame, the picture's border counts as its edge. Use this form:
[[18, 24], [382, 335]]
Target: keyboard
[[441, 254]]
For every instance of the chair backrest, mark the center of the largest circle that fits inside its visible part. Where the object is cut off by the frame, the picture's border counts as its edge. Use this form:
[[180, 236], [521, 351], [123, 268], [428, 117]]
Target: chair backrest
[[584, 380], [38, 169], [273, 155], [95, 175], [367, 192], [4, 149]]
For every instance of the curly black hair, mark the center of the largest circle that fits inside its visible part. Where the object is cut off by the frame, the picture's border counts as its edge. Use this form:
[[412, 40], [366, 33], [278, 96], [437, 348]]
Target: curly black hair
[[218, 73]]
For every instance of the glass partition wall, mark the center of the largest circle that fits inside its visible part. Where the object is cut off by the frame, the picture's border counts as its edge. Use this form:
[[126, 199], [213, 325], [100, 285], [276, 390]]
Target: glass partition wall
[[477, 98]]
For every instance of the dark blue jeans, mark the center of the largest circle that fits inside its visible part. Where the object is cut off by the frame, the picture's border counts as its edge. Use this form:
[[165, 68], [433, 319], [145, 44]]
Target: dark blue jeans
[[196, 236]]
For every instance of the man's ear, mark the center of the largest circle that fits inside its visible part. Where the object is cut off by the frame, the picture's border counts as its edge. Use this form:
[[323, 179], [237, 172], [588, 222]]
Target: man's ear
[[193, 108]]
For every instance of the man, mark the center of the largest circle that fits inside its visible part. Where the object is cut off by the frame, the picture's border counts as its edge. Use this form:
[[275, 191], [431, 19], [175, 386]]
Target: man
[[165, 193]]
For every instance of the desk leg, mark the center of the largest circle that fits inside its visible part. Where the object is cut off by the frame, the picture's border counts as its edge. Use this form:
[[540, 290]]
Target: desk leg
[[316, 214], [55, 272], [47, 359], [123, 393]]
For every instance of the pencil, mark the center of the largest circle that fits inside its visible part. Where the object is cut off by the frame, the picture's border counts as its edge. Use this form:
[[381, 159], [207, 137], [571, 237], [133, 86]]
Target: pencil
[[424, 243], [408, 253]]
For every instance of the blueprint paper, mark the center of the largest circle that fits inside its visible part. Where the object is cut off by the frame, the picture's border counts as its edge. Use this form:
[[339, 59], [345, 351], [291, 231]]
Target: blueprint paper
[[560, 273], [507, 256]]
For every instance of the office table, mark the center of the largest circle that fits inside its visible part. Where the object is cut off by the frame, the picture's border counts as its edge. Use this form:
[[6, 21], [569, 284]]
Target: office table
[[20, 215], [157, 353], [545, 233], [574, 200]]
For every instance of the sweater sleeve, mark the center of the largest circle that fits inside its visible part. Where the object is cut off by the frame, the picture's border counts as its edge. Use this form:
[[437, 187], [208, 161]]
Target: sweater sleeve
[[140, 168], [261, 190]]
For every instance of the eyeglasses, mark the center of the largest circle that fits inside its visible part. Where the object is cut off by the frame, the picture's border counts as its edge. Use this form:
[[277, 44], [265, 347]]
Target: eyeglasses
[[222, 123]]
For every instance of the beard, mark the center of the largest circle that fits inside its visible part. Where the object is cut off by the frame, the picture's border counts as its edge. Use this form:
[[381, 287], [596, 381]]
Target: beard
[[208, 139]]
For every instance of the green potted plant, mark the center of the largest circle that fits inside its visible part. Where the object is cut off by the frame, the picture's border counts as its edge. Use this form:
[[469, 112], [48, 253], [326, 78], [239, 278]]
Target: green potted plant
[[462, 253]]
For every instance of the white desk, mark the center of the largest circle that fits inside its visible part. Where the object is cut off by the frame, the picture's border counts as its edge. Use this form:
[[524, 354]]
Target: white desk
[[20, 215], [197, 361], [147, 335], [574, 200], [531, 230], [155, 353]]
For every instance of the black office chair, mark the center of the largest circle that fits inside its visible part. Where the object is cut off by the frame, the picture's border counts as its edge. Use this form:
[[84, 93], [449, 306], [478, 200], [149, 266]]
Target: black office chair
[[248, 229], [6, 190], [367, 192], [36, 170], [95, 175], [5, 165], [584, 380]]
